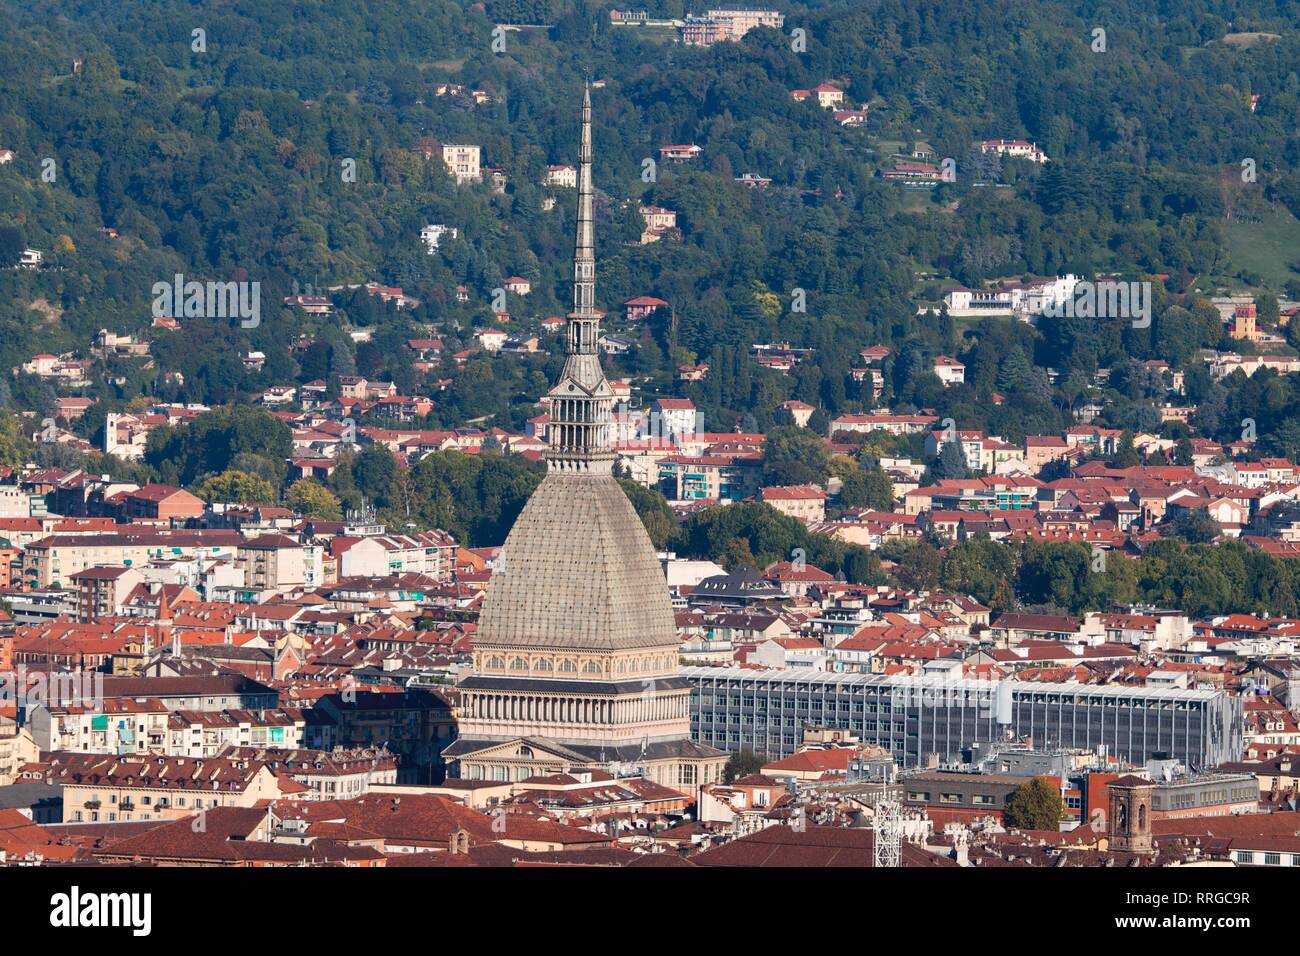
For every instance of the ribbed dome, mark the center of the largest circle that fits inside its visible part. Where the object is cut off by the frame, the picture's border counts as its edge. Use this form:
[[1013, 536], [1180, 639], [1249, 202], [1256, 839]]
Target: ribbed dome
[[580, 574]]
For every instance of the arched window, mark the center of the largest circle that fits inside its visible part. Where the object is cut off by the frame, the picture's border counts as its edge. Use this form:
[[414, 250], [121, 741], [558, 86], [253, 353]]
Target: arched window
[[542, 664], [495, 663], [591, 667], [567, 666], [519, 664]]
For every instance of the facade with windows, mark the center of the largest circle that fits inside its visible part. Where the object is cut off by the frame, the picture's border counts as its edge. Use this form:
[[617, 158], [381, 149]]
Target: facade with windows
[[949, 795], [1202, 795], [463, 162], [1268, 857], [710, 477], [119, 788], [914, 717]]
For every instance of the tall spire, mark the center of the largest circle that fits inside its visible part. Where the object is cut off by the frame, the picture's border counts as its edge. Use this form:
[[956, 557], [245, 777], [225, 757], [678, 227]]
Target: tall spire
[[584, 245], [581, 399]]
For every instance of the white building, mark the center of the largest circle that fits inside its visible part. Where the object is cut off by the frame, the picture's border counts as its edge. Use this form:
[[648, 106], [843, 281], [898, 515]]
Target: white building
[[491, 340], [987, 455], [125, 436], [563, 176], [431, 235], [949, 370], [1014, 148], [1224, 364], [1022, 299], [463, 162], [672, 417], [14, 502], [431, 553], [736, 22]]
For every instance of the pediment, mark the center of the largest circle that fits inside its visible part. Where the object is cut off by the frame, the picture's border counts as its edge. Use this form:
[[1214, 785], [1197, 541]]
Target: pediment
[[526, 748]]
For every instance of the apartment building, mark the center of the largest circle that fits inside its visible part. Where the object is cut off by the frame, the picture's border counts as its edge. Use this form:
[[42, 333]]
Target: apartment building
[[431, 553], [112, 788], [278, 563], [709, 477], [566, 177], [738, 21], [194, 733], [727, 24], [103, 591], [463, 162], [1014, 149], [893, 424], [50, 562], [160, 503], [120, 726], [416, 725], [338, 774], [17, 748], [805, 502], [206, 693]]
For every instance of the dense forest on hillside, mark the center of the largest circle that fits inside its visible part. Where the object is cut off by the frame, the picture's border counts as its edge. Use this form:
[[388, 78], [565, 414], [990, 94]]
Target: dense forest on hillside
[[226, 162]]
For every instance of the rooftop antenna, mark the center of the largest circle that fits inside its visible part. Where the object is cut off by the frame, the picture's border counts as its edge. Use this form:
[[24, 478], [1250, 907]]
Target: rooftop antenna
[[887, 826]]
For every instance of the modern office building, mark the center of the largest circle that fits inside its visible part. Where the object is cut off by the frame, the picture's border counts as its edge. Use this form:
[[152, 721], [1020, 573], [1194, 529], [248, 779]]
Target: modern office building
[[916, 717]]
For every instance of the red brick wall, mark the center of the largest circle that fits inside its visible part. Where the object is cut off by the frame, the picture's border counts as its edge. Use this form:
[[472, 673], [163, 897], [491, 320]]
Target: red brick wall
[[180, 506], [7, 555], [942, 815], [1097, 795]]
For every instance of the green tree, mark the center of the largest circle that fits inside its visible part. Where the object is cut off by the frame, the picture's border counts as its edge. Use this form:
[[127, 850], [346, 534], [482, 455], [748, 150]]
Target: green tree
[[862, 487], [12, 245], [979, 567], [920, 567], [1195, 526], [1055, 574], [1035, 805], [741, 764], [374, 472], [795, 456], [652, 508], [16, 448], [951, 463], [1126, 453], [475, 497], [209, 444], [312, 499], [236, 487]]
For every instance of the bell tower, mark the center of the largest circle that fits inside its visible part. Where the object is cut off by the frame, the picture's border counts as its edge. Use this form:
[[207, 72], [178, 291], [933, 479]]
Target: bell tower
[[1130, 814]]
